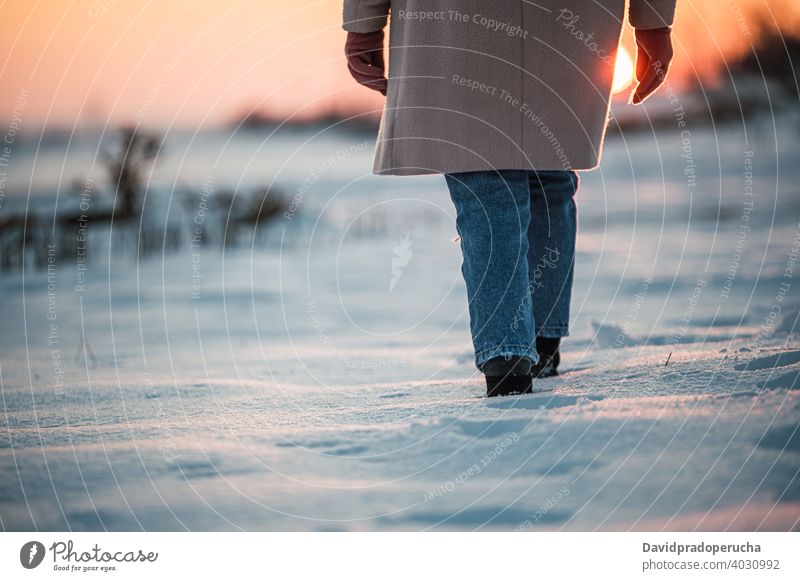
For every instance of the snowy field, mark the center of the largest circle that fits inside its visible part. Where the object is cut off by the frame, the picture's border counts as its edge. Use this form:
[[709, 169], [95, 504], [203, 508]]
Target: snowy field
[[307, 385]]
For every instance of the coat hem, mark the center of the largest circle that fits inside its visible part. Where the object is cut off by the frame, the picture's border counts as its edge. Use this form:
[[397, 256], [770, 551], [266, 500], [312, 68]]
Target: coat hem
[[414, 171]]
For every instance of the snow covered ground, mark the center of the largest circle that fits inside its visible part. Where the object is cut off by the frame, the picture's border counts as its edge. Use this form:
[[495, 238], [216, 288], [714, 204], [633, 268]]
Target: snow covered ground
[[309, 385]]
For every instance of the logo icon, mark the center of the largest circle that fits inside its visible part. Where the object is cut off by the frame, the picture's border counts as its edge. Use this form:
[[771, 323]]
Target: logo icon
[[31, 554], [402, 255]]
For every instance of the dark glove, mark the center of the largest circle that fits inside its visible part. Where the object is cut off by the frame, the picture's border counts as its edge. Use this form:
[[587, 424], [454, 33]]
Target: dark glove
[[652, 61], [365, 59]]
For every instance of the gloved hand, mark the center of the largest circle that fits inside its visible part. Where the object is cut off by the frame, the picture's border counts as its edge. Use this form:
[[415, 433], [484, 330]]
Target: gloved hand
[[652, 61], [365, 59]]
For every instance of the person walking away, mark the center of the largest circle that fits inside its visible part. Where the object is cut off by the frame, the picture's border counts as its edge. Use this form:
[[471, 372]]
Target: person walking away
[[508, 100]]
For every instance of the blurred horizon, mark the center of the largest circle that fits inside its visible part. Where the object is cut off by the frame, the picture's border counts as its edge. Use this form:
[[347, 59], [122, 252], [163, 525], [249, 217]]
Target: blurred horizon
[[106, 62]]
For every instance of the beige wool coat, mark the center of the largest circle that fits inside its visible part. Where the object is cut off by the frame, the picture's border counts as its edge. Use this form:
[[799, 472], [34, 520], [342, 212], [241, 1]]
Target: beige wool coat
[[497, 84]]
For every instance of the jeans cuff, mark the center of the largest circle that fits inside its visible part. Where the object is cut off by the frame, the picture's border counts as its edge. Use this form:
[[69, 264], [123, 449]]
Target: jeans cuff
[[553, 331], [484, 355]]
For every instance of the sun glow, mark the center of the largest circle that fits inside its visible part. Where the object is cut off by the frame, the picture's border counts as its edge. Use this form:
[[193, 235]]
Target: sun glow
[[623, 71]]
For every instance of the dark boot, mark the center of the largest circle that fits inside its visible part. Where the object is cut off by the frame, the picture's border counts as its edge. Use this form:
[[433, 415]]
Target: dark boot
[[549, 357], [507, 376]]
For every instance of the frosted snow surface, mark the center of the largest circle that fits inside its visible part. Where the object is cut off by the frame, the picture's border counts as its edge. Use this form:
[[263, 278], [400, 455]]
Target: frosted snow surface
[[324, 381]]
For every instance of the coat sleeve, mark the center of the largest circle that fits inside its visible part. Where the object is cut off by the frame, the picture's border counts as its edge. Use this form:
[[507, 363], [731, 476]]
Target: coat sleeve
[[365, 15], [651, 13]]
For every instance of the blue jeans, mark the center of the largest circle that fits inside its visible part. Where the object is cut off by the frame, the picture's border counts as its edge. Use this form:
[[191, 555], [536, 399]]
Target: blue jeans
[[517, 232]]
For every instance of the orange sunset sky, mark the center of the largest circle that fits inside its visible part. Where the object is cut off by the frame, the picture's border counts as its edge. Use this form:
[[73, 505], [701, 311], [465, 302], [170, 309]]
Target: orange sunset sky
[[197, 62]]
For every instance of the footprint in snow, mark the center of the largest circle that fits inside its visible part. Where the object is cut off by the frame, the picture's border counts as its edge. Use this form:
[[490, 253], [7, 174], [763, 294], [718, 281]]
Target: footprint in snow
[[547, 402], [789, 380], [769, 361], [394, 395]]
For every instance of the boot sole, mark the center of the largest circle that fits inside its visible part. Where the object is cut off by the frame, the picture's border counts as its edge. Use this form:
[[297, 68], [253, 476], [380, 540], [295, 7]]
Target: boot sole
[[497, 386]]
